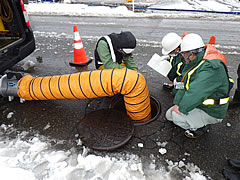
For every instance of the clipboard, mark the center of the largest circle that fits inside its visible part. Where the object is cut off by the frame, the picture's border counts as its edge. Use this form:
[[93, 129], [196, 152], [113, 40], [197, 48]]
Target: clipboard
[[160, 64]]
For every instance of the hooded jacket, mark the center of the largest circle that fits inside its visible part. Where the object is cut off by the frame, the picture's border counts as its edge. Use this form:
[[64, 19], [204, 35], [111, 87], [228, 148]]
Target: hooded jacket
[[113, 58], [209, 79]]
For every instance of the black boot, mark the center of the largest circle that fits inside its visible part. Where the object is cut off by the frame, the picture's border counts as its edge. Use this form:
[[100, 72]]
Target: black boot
[[199, 132], [234, 163], [230, 175]]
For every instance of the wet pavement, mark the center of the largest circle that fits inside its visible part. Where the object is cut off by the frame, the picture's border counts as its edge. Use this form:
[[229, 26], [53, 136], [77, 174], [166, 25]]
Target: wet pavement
[[59, 119]]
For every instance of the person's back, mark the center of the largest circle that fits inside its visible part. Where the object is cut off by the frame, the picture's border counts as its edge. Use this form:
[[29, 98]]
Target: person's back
[[115, 51]]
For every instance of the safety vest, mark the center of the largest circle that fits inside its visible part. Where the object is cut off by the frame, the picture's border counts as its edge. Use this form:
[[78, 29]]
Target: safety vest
[[178, 68], [210, 54], [116, 56], [179, 65]]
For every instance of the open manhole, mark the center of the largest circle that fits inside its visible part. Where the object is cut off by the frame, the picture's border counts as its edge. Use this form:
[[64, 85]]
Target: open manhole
[[105, 129], [118, 103]]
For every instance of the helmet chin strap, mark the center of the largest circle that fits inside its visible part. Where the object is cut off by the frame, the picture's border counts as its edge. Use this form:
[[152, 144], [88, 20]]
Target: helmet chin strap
[[175, 54], [187, 58], [190, 54]]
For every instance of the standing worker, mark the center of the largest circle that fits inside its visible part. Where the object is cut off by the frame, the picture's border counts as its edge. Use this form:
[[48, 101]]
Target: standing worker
[[171, 47], [203, 93], [115, 51]]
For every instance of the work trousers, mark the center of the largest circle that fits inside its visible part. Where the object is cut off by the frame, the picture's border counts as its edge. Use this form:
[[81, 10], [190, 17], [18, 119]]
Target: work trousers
[[194, 120]]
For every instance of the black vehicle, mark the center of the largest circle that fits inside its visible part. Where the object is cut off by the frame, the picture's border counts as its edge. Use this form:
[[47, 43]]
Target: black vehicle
[[16, 36]]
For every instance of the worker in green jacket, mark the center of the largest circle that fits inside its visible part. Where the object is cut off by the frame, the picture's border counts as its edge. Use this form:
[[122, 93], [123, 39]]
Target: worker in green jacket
[[115, 51], [171, 47], [202, 93]]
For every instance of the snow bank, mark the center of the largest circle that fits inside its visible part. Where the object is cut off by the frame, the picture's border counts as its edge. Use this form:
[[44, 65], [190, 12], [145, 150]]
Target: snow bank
[[33, 157]]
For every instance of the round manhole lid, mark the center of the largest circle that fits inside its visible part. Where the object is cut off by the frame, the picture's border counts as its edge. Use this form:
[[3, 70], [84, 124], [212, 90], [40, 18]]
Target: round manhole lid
[[105, 129]]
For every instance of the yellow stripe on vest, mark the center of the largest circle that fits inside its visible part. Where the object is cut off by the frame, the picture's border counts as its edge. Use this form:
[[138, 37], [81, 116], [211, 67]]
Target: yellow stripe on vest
[[171, 59], [191, 72], [178, 68]]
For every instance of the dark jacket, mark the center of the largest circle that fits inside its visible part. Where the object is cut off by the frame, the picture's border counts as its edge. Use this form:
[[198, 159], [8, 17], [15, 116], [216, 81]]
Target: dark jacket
[[119, 41]]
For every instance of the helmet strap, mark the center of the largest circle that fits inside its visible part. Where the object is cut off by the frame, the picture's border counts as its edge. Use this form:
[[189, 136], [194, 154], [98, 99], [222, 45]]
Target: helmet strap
[[187, 57]]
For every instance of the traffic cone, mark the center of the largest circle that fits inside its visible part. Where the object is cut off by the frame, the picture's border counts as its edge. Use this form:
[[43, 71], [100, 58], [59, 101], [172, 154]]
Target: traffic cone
[[212, 40], [79, 56]]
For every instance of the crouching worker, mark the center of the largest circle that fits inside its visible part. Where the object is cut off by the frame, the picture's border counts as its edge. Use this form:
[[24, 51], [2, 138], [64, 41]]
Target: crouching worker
[[171, 47], [115, 51], [203, 92]]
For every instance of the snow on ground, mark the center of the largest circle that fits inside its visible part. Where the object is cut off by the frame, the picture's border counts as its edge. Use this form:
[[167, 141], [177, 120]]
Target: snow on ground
[[33, 157], [215, 6], [122, 11], [211, 5], [76, 10], [169, 5]]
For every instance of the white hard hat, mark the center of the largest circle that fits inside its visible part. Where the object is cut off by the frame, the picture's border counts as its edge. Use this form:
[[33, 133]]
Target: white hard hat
[[191, 41], [170, 42]]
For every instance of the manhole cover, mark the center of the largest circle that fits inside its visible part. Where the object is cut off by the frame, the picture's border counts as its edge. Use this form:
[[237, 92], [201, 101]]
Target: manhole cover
[[105, 129]]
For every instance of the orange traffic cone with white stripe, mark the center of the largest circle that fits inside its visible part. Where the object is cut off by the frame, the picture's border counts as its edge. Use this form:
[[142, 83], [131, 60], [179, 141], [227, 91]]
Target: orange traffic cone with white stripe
[[79, 56]]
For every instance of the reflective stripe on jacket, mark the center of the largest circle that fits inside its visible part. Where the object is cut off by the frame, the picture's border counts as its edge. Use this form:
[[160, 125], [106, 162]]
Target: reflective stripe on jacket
[[111, 58], [210, 54], [115, 55], [177, 64], [204, 79]]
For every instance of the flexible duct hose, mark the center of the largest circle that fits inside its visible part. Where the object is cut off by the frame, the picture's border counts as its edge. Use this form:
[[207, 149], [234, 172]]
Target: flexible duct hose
[[92, 84]]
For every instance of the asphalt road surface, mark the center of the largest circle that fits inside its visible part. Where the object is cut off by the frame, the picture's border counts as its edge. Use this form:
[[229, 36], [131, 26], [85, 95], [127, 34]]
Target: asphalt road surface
[[54, 37]]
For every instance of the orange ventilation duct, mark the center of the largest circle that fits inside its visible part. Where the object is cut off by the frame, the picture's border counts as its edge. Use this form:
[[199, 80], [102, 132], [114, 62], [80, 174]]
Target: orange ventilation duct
[[92, 84]]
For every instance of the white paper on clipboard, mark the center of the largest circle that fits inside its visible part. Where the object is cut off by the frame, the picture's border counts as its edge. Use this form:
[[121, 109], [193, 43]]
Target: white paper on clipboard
[[160, 64]]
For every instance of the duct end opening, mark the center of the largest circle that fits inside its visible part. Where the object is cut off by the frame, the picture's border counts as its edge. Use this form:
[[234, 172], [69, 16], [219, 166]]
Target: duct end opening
[[118, 104]]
